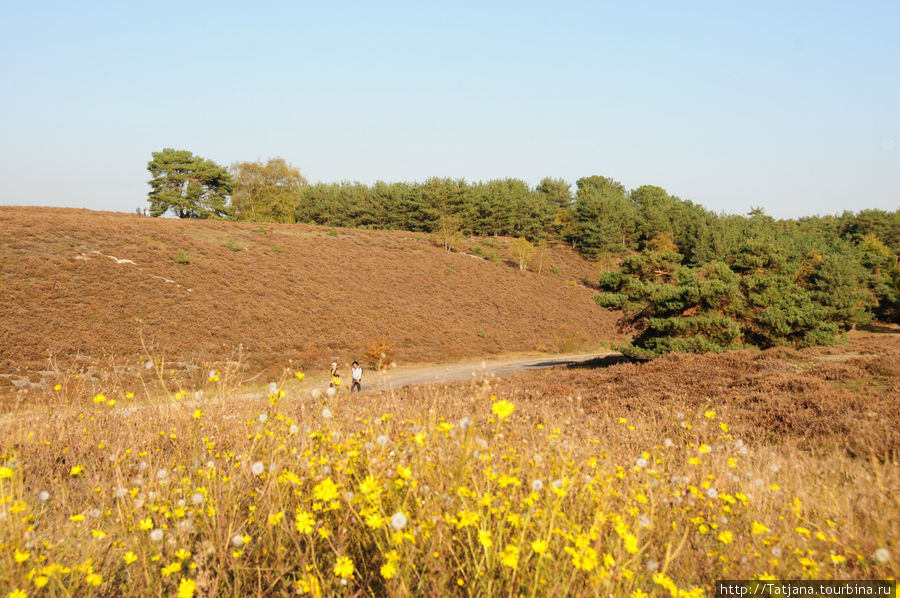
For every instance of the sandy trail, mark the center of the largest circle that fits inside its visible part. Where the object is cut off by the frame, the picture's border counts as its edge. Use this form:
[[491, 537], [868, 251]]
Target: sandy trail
[[443, 373]]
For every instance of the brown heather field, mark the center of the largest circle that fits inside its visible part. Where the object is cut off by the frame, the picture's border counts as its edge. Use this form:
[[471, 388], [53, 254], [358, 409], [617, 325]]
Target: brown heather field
[[607, 479], [282, 293]]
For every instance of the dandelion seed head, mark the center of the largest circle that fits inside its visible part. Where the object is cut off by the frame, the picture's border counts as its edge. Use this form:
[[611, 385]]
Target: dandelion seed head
[[776, 552], [237, 540], [162, 474], [326, 413], [641, 462], [537, 485], [293, 429], [399, 521], [262, 418], [712, 493], [257, 468], [197, 498], [316, 393], [465, 423], [156, 535], [43, 496], [331, 392], [382, 440], [644, 521], [773, 468], [142, 465], [652, 565], [273, 388], [882, 555], [121, 492]]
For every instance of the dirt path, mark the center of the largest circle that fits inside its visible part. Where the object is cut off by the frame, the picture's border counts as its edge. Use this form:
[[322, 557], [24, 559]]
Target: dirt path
[[441, 373]]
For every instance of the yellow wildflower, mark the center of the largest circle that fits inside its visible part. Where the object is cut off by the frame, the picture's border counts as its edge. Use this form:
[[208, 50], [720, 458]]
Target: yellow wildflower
[[510, 556], [174, 567], [344, 567], [484, 538], [304, 522], [186, 588], [502, 409], [325, 490]]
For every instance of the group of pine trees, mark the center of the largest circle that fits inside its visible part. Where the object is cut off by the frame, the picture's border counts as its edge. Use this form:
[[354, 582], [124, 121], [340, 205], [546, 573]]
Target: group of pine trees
[[690, 279]]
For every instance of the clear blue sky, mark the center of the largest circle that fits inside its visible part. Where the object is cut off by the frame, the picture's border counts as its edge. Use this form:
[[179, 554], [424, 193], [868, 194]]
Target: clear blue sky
[[790, 106]]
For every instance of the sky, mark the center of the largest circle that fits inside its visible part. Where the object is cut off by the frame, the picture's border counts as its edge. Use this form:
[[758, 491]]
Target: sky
[[793, 107]]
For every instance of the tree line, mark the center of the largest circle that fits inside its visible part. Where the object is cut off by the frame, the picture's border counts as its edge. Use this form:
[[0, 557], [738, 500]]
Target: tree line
[[663, 240]]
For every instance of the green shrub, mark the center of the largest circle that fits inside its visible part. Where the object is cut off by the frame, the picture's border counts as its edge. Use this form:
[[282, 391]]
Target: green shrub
[[181, 257]]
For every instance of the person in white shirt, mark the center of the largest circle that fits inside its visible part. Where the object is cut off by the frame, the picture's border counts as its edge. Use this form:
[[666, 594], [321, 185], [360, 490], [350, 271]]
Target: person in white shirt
[[356, 376]]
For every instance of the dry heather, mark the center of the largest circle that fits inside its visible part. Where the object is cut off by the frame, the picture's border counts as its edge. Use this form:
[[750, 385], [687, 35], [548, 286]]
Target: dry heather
[[626, 480], [90, 289]]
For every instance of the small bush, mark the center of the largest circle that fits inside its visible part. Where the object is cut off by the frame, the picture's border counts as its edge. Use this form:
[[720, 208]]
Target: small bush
[[475, 250], [379, 355], [181, 257], [332, 232], [277, 249], [233, 245], [555, 270]]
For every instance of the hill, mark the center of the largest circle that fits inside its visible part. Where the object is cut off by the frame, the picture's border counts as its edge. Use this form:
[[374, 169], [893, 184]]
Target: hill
[[87, 287]]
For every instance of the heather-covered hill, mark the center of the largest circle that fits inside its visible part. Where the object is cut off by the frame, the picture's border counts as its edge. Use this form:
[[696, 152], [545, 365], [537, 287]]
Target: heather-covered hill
[[82, 286]]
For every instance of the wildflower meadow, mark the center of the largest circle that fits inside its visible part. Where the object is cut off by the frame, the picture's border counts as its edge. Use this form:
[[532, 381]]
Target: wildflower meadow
[[468, 490]]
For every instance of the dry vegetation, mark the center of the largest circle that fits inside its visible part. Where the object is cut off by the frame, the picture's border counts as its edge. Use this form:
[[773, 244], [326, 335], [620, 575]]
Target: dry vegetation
[[607, 479], [620, 479], [91, 289]]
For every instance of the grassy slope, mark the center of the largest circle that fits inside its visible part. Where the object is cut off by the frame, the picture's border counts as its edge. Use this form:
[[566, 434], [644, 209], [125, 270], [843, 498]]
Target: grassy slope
[[282, 292]]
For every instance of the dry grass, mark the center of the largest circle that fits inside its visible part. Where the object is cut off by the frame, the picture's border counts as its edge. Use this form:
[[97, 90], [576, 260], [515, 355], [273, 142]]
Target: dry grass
[[628, 479]]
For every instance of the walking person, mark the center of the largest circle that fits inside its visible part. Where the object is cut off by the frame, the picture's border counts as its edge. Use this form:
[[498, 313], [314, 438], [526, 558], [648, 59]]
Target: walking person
[[356, 377], [335, 382]]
